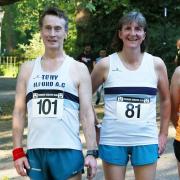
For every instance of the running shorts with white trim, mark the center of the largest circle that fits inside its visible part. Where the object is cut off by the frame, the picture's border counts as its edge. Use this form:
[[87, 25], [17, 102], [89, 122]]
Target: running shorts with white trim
[[59, 164]]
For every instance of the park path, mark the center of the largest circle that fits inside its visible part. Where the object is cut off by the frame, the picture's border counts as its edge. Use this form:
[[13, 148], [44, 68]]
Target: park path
[[166, 168]]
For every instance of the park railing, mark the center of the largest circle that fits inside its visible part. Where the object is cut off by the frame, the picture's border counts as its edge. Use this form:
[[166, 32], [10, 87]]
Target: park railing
[[9, 65]]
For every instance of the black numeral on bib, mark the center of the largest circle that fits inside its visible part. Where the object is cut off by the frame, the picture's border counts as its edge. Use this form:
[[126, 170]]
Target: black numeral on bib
[[46, 105], [130, 110]]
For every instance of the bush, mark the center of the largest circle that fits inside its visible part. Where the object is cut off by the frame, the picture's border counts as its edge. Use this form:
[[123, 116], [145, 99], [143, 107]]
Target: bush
[[8, 71]]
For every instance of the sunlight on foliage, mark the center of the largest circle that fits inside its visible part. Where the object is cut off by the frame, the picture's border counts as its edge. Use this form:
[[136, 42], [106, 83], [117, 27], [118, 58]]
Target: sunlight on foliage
[[8, 71], [35, 47]]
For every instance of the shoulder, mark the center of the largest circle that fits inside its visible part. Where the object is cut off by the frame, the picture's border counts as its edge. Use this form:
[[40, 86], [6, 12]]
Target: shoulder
[[77, 65], [159, 64], [26, 69], [177, 71], [176, 76], [78, 71], [103, 63]]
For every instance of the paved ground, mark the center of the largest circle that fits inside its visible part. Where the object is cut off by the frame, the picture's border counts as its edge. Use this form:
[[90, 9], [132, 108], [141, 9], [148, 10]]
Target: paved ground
[[166, 169]]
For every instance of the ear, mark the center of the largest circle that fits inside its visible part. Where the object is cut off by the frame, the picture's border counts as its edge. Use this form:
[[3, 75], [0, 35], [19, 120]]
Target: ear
[[119, 34]]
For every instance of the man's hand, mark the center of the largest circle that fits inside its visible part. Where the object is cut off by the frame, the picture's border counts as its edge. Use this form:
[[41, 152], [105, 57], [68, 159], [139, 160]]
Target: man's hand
[[162, 143], [21, 165], [91, 164]]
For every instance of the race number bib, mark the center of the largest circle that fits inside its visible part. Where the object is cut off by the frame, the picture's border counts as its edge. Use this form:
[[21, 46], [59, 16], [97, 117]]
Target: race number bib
[[47, 105], [132, 108]]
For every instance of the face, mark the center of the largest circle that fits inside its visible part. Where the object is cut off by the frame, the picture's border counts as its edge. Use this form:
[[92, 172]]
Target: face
[[132, 35], [102, 53], [87, 49], [178, 44], [53, 31]]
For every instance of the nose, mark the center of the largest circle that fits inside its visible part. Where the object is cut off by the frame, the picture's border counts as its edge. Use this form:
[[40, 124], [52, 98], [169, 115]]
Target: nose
[[52, 32], [133, 32]]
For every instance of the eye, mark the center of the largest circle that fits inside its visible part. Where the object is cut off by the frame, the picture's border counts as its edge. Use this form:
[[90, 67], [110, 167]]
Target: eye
[[48, 27], [58, 28], [127, 28], [138, 28]]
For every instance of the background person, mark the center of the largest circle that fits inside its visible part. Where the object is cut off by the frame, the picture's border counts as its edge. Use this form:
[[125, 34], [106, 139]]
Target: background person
[[56, 101], [132, 78], [175, 112], [177, 58], [87, 57], [102, 54]]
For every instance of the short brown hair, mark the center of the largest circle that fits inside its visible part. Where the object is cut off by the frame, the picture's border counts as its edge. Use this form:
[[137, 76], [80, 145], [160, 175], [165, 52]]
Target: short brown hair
[[56, 12]]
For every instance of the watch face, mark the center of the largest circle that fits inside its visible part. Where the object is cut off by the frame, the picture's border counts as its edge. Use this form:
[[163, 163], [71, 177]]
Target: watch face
[[92, 153]]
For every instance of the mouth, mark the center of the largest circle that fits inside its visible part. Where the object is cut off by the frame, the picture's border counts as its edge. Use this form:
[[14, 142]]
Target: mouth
[[132, 39], [52, 41]]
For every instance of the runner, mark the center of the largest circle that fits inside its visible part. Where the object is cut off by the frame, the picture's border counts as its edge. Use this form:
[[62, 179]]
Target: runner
[[56, 101], [132, 78]]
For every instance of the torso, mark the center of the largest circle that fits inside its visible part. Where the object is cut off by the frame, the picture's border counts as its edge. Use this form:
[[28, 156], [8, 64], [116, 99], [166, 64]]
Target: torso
[[130, 103], [53, 107]]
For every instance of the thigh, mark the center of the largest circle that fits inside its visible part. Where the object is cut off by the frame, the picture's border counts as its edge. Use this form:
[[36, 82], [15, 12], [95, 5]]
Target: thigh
[[65, 163], [113, 172], [76, 177], [144, 155], [116, 155], [36, 171], [146, 172]]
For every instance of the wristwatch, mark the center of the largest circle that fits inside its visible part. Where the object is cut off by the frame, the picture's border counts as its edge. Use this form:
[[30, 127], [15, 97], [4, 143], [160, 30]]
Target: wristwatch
[[92, 153]]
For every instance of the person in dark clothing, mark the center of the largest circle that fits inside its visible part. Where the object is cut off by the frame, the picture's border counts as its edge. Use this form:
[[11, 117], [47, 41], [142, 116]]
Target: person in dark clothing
[[87, 57], [177, 58]]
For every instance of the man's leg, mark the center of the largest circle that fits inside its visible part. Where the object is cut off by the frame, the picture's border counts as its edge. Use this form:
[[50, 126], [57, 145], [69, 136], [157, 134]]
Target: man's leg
[[36, 171]]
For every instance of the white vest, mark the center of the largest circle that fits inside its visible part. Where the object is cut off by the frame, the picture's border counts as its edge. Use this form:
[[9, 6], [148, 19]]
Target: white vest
[[53, 108], [130, 104]]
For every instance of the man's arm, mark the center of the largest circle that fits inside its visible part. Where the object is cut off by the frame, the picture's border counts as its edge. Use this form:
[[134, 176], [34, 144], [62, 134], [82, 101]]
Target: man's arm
[[175, 96], [18, 122], [86, 111], [165, 104], [87, 115]]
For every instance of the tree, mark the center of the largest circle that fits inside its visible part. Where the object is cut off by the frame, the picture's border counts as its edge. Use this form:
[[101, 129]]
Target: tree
[[7, 2]]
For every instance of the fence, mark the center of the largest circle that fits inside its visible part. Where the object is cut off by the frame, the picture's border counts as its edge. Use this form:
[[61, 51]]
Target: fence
[[9, 65]]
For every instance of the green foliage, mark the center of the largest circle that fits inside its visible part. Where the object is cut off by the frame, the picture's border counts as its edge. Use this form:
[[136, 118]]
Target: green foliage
[[35, 47], [27, 21], [21, 23], [163, 31], [8, 71]]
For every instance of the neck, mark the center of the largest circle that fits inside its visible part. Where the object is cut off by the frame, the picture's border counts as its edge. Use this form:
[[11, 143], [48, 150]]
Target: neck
[[53, 54], [131, 56]]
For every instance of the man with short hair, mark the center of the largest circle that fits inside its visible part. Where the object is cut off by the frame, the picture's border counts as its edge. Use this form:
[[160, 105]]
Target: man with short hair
[[56, 91], [87, 57]]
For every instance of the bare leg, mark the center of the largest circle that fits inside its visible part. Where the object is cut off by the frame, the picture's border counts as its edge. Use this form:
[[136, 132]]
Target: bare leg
[[178, 165], [113, 172], [147, 172]]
